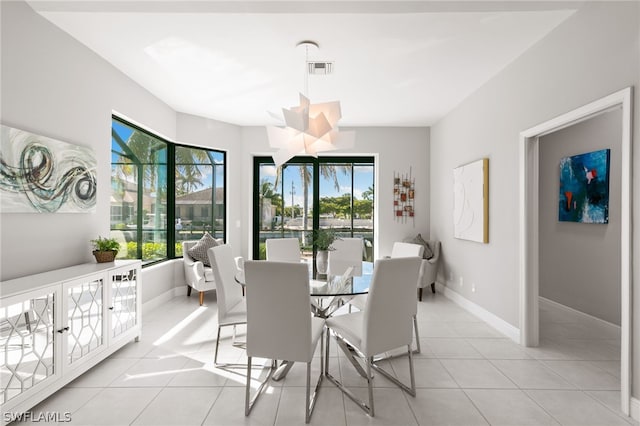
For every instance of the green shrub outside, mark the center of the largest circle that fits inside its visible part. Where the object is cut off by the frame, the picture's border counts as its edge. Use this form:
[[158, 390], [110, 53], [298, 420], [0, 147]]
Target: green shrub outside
[[150, 250]]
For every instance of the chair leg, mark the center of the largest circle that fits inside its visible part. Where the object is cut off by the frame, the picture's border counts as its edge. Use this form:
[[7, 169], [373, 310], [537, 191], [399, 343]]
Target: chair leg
[[322, 353], [370, 385], [415, 331], [307, 409], [326, 353], [433, 288], [188, 291], [340, 386], [248, 401], [247, 394], [201, 298], [215, 357], [312, 398], [233, 343], [412, 372], [410, 390]]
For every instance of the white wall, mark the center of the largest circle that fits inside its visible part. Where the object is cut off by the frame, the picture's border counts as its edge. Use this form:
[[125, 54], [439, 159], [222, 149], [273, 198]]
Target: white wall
[[580, 262], [54, 86], [396, 150], [198, 131], [592, 54]]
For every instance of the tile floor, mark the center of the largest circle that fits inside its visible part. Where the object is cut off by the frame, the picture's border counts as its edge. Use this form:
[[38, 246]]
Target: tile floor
[[467, 374]]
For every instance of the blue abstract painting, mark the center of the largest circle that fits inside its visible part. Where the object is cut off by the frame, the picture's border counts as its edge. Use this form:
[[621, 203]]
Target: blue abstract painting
[[584, 188]]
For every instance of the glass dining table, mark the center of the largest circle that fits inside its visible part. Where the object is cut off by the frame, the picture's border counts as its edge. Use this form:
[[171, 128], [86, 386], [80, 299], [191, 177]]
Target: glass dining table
[[327, 295]]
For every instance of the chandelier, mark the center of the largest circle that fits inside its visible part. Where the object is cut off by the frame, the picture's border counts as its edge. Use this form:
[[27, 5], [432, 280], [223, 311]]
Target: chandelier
[[308, 128]]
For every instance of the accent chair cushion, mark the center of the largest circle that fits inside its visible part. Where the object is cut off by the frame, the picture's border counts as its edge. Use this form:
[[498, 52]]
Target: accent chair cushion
[[199, 251], [428, 253]]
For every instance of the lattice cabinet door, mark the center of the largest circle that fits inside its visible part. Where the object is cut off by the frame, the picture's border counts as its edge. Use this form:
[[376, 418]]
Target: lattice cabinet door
[[28, 342], [83, 318], [124, 301]]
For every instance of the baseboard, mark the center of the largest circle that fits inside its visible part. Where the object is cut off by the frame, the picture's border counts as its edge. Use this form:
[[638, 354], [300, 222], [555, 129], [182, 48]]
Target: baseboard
[[494, 321], [584, 316], [635, 409], [163, 298]]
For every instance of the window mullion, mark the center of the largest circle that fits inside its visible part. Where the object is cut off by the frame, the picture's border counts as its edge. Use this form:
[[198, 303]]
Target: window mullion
[[171, 201], [352, 198], [139, 209]]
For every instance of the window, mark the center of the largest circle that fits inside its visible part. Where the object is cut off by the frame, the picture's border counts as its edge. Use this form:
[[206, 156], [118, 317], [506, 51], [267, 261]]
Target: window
[[307, 194], [149, 219], [199, 196]]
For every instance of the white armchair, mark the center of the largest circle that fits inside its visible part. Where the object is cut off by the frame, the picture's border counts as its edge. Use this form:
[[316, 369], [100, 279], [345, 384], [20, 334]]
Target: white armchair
[[429, 269], [197, 276]]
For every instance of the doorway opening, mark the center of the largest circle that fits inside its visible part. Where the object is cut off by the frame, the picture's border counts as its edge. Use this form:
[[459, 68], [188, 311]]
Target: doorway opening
[[529, 226]]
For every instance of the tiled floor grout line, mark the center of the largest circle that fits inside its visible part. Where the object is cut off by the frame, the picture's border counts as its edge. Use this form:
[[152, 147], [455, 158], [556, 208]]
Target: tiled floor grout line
[[464, 392], [146, 406], [539, 405]]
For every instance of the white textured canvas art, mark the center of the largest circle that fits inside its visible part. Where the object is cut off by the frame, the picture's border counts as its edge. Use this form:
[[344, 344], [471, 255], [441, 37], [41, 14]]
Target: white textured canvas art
[[471, 201], [43, 175]]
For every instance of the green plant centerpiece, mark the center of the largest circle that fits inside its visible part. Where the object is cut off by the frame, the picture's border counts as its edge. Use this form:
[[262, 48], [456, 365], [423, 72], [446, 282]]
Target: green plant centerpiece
[[322, 240], [105, 249]]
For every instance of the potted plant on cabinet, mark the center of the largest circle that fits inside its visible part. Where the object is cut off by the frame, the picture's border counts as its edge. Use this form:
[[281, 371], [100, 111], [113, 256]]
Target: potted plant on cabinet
[[322, 240], [105, 249]]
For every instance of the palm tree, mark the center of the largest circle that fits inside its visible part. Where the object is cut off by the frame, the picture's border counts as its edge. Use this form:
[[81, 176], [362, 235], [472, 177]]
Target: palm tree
[[328, 171], [188, 179], [267, 191], [368, 194]]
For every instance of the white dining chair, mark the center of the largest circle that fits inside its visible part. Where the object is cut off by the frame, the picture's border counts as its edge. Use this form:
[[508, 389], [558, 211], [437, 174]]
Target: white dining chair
[[283, 250], [232, 309], [346, 252], [400, 250], [383, 325], [279, 322]]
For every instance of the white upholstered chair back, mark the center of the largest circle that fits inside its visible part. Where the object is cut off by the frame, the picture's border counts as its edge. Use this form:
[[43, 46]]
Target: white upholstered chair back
[[283, 249], [229, 292], [409, 250], [278, 314], [390, 305], [406, 250], [347, 252]]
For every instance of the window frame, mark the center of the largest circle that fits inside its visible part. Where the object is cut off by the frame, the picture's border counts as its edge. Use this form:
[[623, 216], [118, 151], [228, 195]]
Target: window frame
[[170, 227], [259, 161]]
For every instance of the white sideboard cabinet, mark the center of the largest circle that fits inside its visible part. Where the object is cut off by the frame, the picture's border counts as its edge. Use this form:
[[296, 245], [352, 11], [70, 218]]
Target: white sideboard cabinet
[[56, 325]]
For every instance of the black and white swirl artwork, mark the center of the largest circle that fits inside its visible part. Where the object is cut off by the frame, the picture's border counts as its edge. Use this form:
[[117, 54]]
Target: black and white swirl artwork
[[44, 175]]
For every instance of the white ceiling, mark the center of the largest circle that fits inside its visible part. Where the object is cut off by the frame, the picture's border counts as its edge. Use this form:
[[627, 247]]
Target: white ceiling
[[396, 63]]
